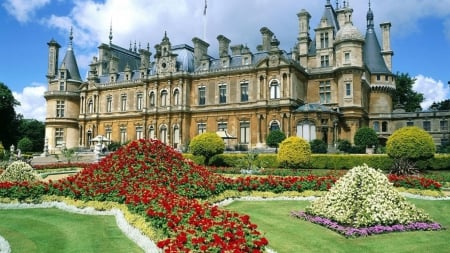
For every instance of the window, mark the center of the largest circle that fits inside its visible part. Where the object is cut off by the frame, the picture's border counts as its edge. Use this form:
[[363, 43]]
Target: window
[[347, 57], [306, 130], [426, 125], [222, 126], [443, 125], [201, 128], [386, 78], [176, 136], [323, 40], [108, 131], [201, 95], [244, 137], [60, 109], [274, 90], [222, 93], [152, 99], [176, 97], [348, 89], [139, 101], [109, 103], [409, 123], [164, 98], [244, 92], [378, 77], [163, 134], [324, 61], [384, 126], [62, 75], [90, 106], [62, 86], [123, 135], [59, 137], [376, 126], [123, 102], [274, 126], [325, 92], [151, 132], [139, 132]]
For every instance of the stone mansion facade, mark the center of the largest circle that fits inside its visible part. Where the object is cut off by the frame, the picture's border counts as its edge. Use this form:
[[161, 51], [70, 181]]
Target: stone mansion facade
[[333, 82]]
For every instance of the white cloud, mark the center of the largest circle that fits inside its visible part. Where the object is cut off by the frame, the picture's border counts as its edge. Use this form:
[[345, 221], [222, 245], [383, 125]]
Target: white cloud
[[32, 101], [433, 91], [23, 10]]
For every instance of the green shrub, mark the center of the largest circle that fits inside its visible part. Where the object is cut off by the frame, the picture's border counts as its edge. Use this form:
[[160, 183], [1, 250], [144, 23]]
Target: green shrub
[[25, 144], [318, 146], [19, 171], [295, 152], [274, 138], [344, 146], [410, 143], [207, 145], [365, 137]]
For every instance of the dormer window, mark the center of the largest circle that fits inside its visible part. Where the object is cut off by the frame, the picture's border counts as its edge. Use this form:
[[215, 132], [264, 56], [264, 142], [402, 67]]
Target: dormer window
[[62, 75], [324, 40]]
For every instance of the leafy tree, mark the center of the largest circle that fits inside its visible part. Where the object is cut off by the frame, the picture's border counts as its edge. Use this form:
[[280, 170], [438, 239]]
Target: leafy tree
[[441, 106], [207, 145], [365, 137], [295, 152], [274, 138], [9, 125], [408, 145], [34, 130], [25, 144], [405, 95], [318, 146]]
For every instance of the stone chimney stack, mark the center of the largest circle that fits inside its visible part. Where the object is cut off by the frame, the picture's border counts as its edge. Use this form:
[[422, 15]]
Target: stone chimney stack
[[266, 39], [200, 51], [224, 44]]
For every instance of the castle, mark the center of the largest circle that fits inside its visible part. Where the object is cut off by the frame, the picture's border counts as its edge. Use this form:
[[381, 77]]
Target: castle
[[333, 82]]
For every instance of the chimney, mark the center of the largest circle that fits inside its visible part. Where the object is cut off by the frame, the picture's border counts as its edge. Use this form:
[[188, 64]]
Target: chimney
[[224, 43], [386, 38], [266, 38], [200, 51]]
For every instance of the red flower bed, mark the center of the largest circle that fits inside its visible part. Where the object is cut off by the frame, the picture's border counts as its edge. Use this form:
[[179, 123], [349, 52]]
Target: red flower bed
[[414, 182], [61, 165]]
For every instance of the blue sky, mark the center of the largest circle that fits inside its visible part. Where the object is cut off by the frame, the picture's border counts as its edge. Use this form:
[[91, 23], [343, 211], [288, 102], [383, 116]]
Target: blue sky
[[420, 34]]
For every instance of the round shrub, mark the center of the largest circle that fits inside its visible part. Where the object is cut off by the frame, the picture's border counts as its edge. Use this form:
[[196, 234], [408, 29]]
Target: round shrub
[[294, 152], [207, 145], [411, 143], [365, 137], [19, 171], [318, 146], [274, 138]]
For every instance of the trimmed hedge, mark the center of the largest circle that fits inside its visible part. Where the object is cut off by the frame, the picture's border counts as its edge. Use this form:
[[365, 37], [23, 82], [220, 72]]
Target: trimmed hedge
[[329, 161]]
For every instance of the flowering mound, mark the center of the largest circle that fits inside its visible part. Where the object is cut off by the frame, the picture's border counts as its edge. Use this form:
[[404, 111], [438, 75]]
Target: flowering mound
[[19, 171], [156, 181], [364, 202]]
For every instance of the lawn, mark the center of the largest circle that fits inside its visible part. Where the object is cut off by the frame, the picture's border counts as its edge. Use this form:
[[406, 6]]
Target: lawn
[[54, 230], [287, 234]]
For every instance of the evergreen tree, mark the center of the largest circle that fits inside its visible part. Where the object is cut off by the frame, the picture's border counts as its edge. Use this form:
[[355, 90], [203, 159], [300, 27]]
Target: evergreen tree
[[9, 124], [405, 95]]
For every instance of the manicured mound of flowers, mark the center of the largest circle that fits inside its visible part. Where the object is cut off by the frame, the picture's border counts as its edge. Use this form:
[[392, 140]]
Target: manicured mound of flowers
[[156, 181], [364, 202]]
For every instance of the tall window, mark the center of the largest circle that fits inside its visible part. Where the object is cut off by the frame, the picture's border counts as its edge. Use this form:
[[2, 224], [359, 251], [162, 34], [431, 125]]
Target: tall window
[[323, 40], [62, 86], [90, 106], [201, 128], [59, 137], [164, 98], [201, 95], [176, 136], [384, 126], [139, 101], [324, 61], [222, 126], [152, 99], [108, 131], [244, 92], [274, 126], [176, 97], [163, 134], [60, 109], [222, 93], [151, 132], [426, 125], [348, 89], [123, 135], [306, 130], [139, 132], [376, 126], [244, 137], [109, 103], [274, 89], [347, 57], [123, 102], [325, 92], [443, 125]]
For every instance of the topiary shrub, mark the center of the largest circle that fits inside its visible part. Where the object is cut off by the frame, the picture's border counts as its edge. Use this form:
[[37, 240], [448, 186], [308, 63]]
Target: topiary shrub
[[344, 146], [19, 171], [274, 138], [207, 145], [318, 146], [406, 146], [365, 137], [295, 152]]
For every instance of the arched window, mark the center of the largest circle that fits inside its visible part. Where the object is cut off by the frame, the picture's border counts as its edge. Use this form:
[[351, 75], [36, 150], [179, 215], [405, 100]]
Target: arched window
[[384, 126], [176, 136], [164, 98], [274, 126], [90, 106], [152, 99], [151, 132], [163, 134], [376, 126], [306, 130], [176, 97], [274, 89]]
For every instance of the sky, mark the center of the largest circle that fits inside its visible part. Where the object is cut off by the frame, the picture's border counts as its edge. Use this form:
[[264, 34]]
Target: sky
[[420, 34]]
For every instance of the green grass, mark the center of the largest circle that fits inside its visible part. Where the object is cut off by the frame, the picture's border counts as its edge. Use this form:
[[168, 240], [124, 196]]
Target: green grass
[[287, 234], [53, 230]]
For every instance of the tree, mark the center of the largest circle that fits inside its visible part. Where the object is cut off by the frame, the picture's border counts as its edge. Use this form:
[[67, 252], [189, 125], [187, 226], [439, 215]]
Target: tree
[[405, 95], [207, 145], [318, 146], [274, 138], [9, 125], [441, 106], [365, 137], [295, 152], [25, 144], [34, 130]]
